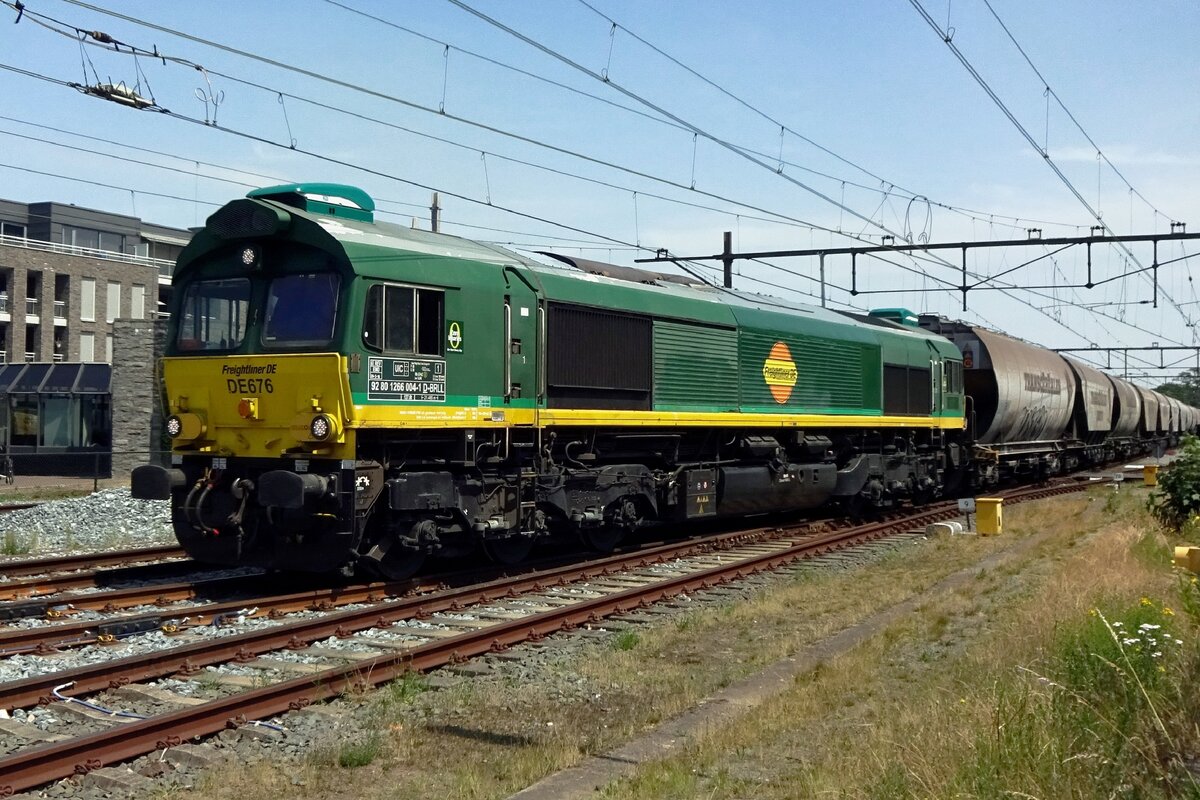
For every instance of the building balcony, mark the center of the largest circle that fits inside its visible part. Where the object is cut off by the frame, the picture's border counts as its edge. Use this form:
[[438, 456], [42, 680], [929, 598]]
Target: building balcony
[[33, 306], [164, 266], [30, 358]]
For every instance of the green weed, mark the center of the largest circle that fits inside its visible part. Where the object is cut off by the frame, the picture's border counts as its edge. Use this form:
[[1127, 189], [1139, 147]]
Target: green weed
[[352, 755], [625, 640], [13, 545]]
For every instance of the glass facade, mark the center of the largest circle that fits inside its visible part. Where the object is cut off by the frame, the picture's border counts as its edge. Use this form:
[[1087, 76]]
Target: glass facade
[[59, 409]]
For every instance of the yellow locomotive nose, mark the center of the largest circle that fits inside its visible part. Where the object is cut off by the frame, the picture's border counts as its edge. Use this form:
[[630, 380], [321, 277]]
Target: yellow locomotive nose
[[261, 406]]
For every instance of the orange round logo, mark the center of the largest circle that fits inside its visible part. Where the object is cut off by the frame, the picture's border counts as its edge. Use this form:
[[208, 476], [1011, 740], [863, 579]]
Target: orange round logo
[[779, 371]]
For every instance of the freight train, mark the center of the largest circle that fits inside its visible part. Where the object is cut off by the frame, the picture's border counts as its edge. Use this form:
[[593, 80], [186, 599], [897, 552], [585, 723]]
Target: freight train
[[344, 394]]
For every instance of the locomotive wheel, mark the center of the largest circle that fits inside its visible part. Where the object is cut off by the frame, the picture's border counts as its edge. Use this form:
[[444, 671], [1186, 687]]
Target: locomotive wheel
[[398, 567], [508, 549], [603, 539], [392, 561]]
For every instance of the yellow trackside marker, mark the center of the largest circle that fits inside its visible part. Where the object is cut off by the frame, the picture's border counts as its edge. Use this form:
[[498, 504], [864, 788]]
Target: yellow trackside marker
[[1188, 558], [779, 371], [1150, 475], [990, 515]]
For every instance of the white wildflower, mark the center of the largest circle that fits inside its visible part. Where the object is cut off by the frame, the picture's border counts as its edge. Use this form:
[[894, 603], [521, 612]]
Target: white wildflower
[[1128, 642]]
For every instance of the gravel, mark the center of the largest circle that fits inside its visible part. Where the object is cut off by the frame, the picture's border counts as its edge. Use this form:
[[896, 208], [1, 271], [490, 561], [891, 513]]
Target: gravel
[[106, 520]]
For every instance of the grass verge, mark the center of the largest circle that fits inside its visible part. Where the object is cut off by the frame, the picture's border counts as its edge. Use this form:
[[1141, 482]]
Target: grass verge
[[842, 730]]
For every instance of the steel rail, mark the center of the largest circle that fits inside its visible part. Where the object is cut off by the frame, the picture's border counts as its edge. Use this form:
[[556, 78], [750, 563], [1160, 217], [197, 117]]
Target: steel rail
[[40, 566], [128, 596], [45, 586], [191, 657], [323, 598]]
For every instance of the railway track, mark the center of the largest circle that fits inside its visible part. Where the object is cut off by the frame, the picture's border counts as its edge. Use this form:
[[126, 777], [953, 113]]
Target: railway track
[[409, 633], [88, 561]]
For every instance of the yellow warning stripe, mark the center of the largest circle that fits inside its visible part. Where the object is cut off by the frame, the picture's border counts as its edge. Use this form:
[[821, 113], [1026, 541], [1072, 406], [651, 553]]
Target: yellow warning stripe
[[427, 416]]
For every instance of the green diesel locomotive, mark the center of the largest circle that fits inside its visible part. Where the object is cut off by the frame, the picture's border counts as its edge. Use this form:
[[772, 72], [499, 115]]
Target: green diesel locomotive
[[345, 393]]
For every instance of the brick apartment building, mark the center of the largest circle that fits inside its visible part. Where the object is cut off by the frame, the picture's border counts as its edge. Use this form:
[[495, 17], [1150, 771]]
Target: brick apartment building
[[66, 274]]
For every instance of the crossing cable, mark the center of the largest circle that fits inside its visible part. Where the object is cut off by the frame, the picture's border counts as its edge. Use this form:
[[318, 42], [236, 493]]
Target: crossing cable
[[185, 62], [660, 110], [472, 200]]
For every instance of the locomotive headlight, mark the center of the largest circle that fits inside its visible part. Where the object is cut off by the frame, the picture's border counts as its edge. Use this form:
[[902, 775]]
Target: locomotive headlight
[[321, 427], [184, 427], [250, 256]]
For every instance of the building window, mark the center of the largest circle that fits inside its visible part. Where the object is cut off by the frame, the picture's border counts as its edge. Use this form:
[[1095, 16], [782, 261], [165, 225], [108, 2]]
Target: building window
[[87, 347], [81, 237], [87, 300], [58, 421], [167, 252], [108, 353], [112, 242], [12, 229], [92, 239], [137, 302], [112, 308], [23, 409]]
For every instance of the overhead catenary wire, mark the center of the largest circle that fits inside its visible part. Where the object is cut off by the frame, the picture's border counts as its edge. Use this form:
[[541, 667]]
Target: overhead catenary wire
[[350, 86], [547, 222], [301, 71], [1052, 93], [1000, 104], [1014, 222], [549, 51]]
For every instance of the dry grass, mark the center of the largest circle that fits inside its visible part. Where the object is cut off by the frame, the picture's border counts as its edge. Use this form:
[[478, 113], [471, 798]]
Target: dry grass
[[490, 738], [907, 708]]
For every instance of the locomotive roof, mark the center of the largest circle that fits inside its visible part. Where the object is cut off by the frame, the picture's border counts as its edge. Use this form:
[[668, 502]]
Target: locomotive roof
[[399, 237]]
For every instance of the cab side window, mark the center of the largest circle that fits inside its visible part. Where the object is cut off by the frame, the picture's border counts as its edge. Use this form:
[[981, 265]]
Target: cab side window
[[402, 319]]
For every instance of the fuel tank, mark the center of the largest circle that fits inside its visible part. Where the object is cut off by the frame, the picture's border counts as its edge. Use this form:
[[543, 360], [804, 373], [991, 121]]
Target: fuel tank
[[1127, 411], [1021, 392], [1093, 403]]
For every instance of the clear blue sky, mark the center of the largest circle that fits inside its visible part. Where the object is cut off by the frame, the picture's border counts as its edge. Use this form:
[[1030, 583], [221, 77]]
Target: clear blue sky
[[870, 81]]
